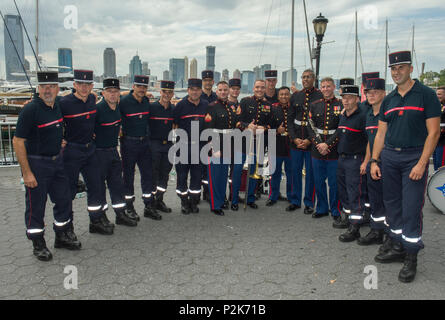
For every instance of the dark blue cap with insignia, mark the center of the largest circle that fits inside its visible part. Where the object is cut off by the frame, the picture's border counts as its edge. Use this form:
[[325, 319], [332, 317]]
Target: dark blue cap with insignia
[[85, 76], [401, 57], [270, 74], [207, 74], [375, 84], [369, 75], [47, 77], [350, 90], [194, 83], [235, 82], [346, 82], [111, 83], [167, 85], [141, 80]]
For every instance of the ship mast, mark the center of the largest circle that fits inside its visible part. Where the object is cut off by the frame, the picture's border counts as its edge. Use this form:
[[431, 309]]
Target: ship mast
[[386, 50], [37, 32], [292, 46], [356, 44]]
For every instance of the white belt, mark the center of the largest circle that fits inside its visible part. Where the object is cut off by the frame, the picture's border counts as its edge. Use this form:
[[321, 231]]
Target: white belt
[[326, 132], [223, 131], [442, 125], [300, 123]]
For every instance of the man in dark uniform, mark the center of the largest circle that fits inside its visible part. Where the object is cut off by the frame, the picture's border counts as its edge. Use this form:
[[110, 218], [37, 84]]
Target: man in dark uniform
[[325, 113], [300, 143], [409, 128], [221, 118], [108, 125], [135, 147], [271, 94], [254, 115], [161, 123], [190, 112], [79, 156], [352, 150], [38, 143], [439, 153], [375, 92], [279, 121]]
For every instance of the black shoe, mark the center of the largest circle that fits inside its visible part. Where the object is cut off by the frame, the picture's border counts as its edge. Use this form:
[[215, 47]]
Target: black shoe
[[101, 225], [373, 237], [308, 210], [292, 207], [218, 212], [387, 244], [185, 206], [409, 269], [123, 218], [234, 207], [270, 203], [194, 206], [150, 212], [225, 206], [67, 240], [131, 212], [340, 223], [161, 206], [395, 254], [253, 205], [40, 250], [319, 215], [352, 234]]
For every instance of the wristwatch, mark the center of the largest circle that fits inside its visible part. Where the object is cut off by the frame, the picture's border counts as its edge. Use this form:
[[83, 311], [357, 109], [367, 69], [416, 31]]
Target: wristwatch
[[374, 161]]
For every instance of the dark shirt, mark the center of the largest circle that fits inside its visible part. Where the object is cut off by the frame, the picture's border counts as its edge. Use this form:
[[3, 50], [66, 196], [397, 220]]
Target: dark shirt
[[42, 127], [279, 117], [372, 125], [352, 133], [79, 118], [326, 115], [257, 110], [273, 99], [135, 116], [210, 98], [161, 121], [442, 126], [406, 116], [365, 106], [185, 113], [108, 125]]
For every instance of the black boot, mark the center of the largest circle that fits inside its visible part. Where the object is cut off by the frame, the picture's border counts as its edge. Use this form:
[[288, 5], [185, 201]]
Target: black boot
[[194, 205], [150, 212], [160, 205], [123, 218], [373, 237], [205, 194], [101, 225], [40, 250], [185, 205], [131, 211], [386, 246], [395, 254], [409, 269], [67, 239], [352, 234], [225, 205], [341, 222]]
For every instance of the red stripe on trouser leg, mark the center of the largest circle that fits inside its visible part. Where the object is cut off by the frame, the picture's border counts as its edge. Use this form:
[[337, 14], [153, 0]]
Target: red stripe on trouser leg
[[443, 156]]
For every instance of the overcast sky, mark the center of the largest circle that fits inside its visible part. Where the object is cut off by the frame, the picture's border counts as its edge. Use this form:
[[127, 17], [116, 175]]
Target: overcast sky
[[246, 33]]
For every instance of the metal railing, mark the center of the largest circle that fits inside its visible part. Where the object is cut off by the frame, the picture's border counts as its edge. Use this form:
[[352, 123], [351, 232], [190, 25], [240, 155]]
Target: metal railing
[[7, 131]]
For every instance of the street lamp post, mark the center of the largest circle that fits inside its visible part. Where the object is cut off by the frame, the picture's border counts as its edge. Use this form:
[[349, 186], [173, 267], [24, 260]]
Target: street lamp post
[[320, 24]]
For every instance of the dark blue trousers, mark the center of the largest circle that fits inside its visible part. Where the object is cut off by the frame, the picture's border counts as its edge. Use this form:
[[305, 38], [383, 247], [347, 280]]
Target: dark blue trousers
[[351, 186], [161, 165], [183, 170], [439, 157], [326, 169], [375, 194], [82, 159], [52, 180], [403, 197], [111, 174], [275, 179], [136, 151], [218, 172], [240, 158], [300, 158]]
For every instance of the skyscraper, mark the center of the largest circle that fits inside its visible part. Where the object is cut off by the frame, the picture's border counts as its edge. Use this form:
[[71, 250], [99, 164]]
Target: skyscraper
[[257, 71], [247, 81], [287, 78], [12, 61], [135, 67], [186, 69], [237, 74], [217, 76], [210, 58], [109, 63], [166, 75], [176, 71], [145, 69], [194, 68], [225, 75], [65, 59]]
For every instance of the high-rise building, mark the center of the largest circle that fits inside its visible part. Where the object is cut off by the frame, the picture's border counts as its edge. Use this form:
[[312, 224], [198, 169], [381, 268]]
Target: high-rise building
[[194, 69], [166, 75], [225, 75], [145, 69], [12, 61], [186, 68], [217, 76], [65, 56], [247, 81], [135, 67], [257, 71], [288, 77], [210, 58], [109, 63], [176, 72], [237, 74]]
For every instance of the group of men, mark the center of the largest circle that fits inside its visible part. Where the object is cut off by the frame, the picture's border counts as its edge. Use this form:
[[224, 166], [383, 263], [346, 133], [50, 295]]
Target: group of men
[[375, 152]]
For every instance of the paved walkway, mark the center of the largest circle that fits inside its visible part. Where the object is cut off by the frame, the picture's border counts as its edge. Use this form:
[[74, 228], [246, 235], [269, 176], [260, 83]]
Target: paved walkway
[[263, 254]]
